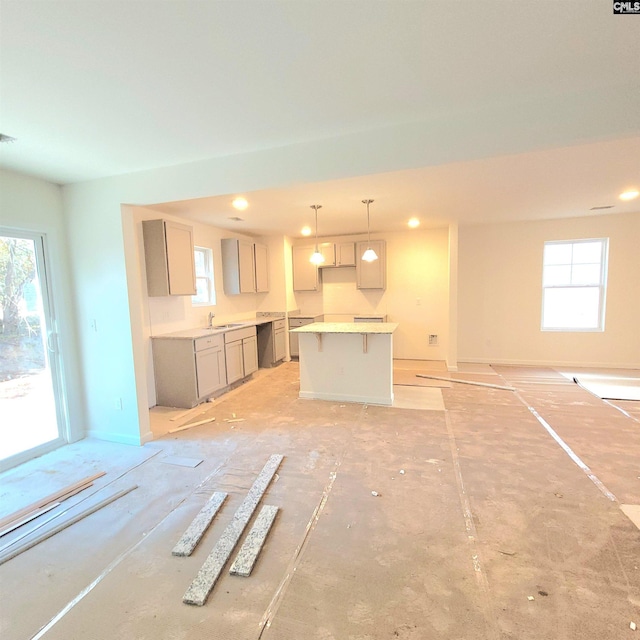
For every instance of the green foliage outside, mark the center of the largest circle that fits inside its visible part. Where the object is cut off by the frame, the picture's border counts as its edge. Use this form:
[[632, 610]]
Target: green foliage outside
[[21, 348]]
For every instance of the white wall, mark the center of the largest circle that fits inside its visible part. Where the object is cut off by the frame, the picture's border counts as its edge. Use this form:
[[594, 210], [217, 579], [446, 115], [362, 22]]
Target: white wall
[[500, 294], [416, 297], [35, 205]]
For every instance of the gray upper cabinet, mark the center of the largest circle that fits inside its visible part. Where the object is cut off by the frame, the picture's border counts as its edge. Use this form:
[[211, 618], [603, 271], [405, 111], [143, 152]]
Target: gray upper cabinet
[[261, 255], [328, 251], [345, 254], [305, 273], [371, 275], [168, 252], [245, 267]]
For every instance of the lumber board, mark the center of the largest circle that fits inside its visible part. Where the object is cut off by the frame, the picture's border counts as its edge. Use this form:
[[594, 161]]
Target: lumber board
[[252, 546], [28, 518], [64, 524], [63, 493], [191, 424], [473, 382], [195, 531], [203, 584]]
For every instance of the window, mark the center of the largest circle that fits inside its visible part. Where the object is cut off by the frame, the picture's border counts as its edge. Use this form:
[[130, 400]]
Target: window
[[205, 291], [574, 279]]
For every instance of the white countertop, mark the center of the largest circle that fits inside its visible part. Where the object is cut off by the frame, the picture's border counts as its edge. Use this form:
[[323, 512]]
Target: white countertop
[[347, 327], [203, 332]]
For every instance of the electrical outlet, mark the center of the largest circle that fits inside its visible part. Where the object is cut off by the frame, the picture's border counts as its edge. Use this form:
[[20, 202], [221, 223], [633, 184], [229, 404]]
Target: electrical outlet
[[433, 339]]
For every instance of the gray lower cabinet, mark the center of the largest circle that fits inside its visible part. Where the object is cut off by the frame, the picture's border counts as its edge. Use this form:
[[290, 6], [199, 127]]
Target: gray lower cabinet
[[241, 351], [294, 323], [188, 370]]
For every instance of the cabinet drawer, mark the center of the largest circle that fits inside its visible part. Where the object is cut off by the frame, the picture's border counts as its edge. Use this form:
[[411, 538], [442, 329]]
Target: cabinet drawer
[[239, 334], [278, 325], [209, 342]]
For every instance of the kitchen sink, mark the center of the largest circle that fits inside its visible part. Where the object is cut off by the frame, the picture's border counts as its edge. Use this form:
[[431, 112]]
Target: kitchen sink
[[228, 326]]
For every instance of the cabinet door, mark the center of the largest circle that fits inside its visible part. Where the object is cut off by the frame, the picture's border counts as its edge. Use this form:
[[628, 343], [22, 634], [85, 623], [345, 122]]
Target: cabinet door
[[211, 371], [345, 254], [371, 275], [305, 274], [247, 266], [180, 259], [234, 361], [279, 345], [328, 251], [262, 268], [250, 355]]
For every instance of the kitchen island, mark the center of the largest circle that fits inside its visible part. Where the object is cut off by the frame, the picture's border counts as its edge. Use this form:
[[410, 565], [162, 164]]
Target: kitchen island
[[347, 362]]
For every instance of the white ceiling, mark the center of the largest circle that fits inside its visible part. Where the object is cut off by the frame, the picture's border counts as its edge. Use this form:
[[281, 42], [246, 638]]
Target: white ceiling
[[105, 88]]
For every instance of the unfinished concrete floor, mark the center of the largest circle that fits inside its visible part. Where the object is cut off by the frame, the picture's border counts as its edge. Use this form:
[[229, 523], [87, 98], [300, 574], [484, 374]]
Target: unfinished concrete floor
[[484, 527]]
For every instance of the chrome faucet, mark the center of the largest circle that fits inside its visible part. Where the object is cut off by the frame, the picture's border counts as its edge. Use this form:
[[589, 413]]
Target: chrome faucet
[[211, 317]]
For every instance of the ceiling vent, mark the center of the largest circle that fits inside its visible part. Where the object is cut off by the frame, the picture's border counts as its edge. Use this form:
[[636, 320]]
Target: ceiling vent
[[5, 138], [609, 206]]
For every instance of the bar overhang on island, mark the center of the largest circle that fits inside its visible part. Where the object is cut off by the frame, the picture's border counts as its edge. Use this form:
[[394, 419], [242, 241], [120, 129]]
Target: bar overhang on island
[[347, 362]]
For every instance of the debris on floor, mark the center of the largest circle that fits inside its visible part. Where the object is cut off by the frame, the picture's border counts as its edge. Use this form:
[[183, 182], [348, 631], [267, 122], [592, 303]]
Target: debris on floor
[[192, 536], [191, 424], [181, 461], [206, 579]]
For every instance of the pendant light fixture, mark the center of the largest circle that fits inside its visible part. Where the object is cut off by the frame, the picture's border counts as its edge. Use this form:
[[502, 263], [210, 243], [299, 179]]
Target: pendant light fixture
[[369, 255], [316, 257]]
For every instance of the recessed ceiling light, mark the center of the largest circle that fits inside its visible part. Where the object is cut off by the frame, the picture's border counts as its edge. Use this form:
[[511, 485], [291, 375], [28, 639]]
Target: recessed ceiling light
[[413, 223], [306, 231], [629, 195], [240, 203]]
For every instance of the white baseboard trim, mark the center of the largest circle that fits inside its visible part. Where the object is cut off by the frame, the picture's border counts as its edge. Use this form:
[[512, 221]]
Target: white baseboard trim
[[120, 438], [310, 395]]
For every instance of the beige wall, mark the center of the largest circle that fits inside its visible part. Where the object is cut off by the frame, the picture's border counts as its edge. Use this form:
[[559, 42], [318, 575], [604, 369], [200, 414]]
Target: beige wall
[[500, 294]]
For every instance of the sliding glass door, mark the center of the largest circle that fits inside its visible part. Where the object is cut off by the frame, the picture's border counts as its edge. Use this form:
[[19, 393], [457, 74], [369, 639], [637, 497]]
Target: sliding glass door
[[31, 400]]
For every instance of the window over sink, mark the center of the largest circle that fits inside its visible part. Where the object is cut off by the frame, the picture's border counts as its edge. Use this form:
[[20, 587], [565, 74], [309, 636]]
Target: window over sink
[[205, 289]]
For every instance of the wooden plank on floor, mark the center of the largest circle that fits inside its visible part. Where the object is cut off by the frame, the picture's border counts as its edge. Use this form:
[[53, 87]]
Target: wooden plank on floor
[[195, 531], [250, 550], [63, 493], [63, 525], [203, 584]]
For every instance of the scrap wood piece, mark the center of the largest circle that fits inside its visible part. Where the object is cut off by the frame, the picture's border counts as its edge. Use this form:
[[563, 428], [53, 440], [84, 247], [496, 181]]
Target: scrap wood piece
[[479, 384], [188, 412], [195, 531], [181, 461], [67, 492], [252, 546], [191, 424], [203, 584], [28, 518], [64, 524]]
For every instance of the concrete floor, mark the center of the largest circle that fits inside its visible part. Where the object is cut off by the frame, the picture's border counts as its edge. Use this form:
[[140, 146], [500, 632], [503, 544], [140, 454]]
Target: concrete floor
[[484, 526]]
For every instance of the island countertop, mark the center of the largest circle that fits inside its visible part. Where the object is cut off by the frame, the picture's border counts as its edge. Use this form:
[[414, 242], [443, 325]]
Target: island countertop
[[347, 327]]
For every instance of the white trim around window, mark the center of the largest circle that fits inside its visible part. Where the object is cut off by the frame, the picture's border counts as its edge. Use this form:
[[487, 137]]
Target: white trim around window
[[206, 292], [574, 284]]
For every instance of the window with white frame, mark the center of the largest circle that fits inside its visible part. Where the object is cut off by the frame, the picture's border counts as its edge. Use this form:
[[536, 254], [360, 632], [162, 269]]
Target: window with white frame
[[574, 282], [205, 291]]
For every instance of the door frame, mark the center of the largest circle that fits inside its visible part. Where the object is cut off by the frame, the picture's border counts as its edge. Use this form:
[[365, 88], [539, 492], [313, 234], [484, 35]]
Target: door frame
[[51, 344]]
